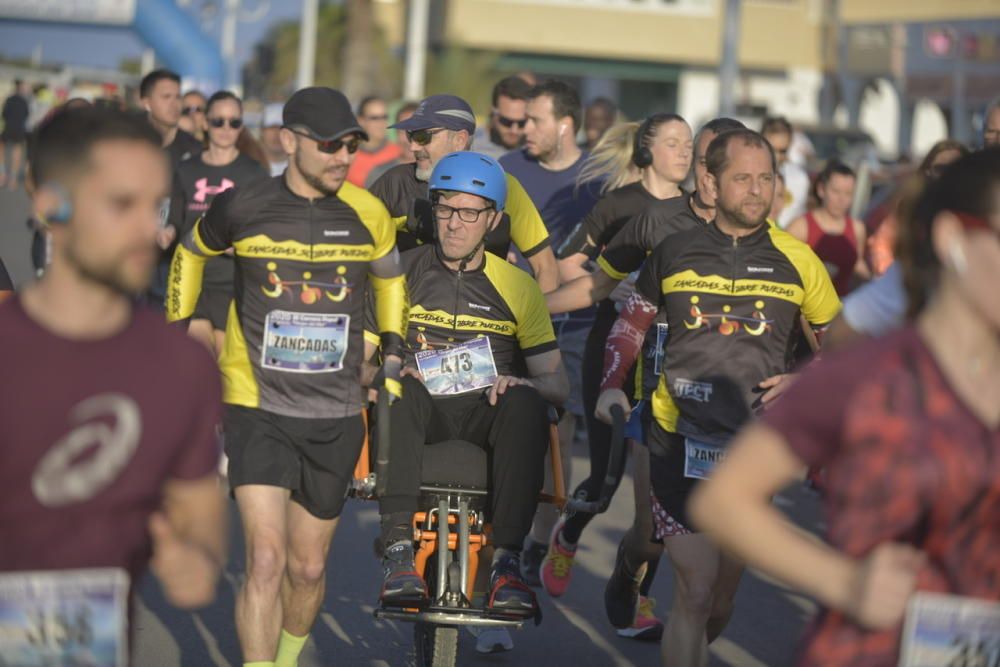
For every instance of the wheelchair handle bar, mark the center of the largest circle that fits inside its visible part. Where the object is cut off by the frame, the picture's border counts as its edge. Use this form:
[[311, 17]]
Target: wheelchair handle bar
[[616, 455]]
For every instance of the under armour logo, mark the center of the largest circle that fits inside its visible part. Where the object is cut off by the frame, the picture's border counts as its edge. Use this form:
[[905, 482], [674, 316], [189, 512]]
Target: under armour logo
[[204, 189]]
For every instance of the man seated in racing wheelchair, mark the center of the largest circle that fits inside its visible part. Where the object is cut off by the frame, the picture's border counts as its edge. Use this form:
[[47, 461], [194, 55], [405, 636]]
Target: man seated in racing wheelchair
[[481, 364]]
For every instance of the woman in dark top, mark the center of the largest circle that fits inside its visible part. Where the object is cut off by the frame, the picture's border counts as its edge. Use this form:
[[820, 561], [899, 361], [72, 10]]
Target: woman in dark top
[[196, 183], [907, 428], [641, 164]]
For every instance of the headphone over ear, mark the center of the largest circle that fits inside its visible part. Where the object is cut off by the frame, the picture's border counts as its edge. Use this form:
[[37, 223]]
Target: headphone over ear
[[642, 157]]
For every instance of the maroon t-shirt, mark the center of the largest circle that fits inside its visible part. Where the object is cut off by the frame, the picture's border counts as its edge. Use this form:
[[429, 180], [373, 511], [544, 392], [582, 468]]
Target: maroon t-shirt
[[89, 433], [906, 461]]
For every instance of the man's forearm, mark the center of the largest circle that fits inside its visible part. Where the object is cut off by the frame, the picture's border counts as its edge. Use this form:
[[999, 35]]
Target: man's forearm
[[554, 386], [543, 265]]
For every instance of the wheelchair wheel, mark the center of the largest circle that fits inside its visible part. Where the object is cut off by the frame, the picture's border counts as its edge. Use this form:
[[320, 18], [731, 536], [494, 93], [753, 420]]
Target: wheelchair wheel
[[437, 645]]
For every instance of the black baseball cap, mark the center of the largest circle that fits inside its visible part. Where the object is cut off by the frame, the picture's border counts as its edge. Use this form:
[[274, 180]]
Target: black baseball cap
[[447, 111], [323, 112]]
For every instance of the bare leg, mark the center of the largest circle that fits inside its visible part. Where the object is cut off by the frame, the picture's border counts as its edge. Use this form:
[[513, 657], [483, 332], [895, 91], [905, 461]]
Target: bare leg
[[639, 547], [14, 172], [730, 572], [696, 564], [304, 583], [547, 515], [263, 511]]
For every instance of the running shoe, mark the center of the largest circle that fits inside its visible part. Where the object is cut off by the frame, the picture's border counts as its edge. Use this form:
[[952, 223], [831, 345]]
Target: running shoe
[[531, 563], [621, 595], [402, 584], [491, 640], [647, 627], [558, 565], [508, 592]]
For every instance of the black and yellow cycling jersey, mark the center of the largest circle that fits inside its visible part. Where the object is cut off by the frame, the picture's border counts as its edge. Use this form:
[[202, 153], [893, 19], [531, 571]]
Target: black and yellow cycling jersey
[[294, 334], [496, 300], [732, 306], [408, 204]]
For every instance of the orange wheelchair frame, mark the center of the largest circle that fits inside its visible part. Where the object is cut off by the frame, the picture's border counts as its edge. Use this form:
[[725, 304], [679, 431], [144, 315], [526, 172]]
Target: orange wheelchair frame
[[457, 542]]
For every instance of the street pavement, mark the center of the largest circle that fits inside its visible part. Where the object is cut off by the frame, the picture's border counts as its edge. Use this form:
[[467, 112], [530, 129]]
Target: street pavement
[[764, 630]]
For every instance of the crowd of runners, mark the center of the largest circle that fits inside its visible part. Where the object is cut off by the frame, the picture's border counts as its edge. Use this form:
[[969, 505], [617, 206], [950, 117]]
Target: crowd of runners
[[752, 331]]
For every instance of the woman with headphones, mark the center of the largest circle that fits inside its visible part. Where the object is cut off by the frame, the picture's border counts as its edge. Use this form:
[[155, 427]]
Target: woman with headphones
[[642, 165]]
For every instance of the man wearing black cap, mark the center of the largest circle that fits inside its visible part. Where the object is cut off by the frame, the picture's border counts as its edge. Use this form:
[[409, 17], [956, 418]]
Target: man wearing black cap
[[443, 124], [307, 246]]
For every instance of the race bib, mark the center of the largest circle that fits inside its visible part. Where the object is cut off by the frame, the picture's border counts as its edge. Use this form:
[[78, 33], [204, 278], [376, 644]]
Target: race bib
[[304, 342], [950, 631], [700, 458], [662, 328], [458, 369], [64, 618]]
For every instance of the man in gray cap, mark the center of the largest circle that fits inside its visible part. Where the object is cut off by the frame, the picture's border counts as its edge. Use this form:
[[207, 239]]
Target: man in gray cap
[[308, 245], [443, 124]]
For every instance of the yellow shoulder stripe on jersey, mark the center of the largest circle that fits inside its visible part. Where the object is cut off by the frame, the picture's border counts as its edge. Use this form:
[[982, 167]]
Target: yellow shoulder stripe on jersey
[[690, 281], [610, 270], [374, 216], [238, 384], [527, 229], [820, 303], [446, 320], [263, 247], [525, 299]]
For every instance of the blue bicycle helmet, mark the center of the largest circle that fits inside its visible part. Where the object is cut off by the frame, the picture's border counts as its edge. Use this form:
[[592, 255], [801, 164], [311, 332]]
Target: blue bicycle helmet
[[472, 173]]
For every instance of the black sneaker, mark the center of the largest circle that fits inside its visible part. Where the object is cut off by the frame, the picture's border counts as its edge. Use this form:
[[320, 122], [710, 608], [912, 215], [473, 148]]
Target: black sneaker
[[402, 584], [621, 595], [508, 592], [531, 563]]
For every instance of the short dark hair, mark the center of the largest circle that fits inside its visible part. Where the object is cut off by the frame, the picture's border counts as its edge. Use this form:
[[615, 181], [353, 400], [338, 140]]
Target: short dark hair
[[365, 101], [406, 106], [832, 167], [221, 95], [513, 87], [717, 155], [63, 144], [150, 80], [565, 100], [718, 126], [968, 185], [605, 103], [775, 125], [193, 91]]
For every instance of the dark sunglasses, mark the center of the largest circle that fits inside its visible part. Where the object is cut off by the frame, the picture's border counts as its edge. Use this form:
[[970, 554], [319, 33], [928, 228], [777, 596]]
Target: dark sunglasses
[[422, 137], [332, 146], [187, 111], [468, 215], [235, 123], [510, 122]]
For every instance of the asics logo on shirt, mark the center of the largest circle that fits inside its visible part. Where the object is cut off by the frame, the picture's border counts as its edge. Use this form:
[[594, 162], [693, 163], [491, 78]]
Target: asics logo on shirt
[[204, 189], [62, 478]]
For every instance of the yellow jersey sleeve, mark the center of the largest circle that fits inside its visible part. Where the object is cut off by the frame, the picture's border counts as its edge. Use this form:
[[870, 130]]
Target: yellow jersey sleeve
[[527, 230], [534, 324], [820, 303]]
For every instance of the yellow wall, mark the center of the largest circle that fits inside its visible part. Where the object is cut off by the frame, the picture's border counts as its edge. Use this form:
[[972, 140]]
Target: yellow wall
[[877, 11], [773, 35]]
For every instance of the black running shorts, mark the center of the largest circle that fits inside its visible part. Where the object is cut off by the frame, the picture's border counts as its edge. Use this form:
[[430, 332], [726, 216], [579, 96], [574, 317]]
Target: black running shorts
[[314, 458]]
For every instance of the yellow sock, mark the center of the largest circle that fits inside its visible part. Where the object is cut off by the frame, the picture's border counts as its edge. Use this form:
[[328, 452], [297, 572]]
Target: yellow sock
[[289, 648], [259, 663]]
